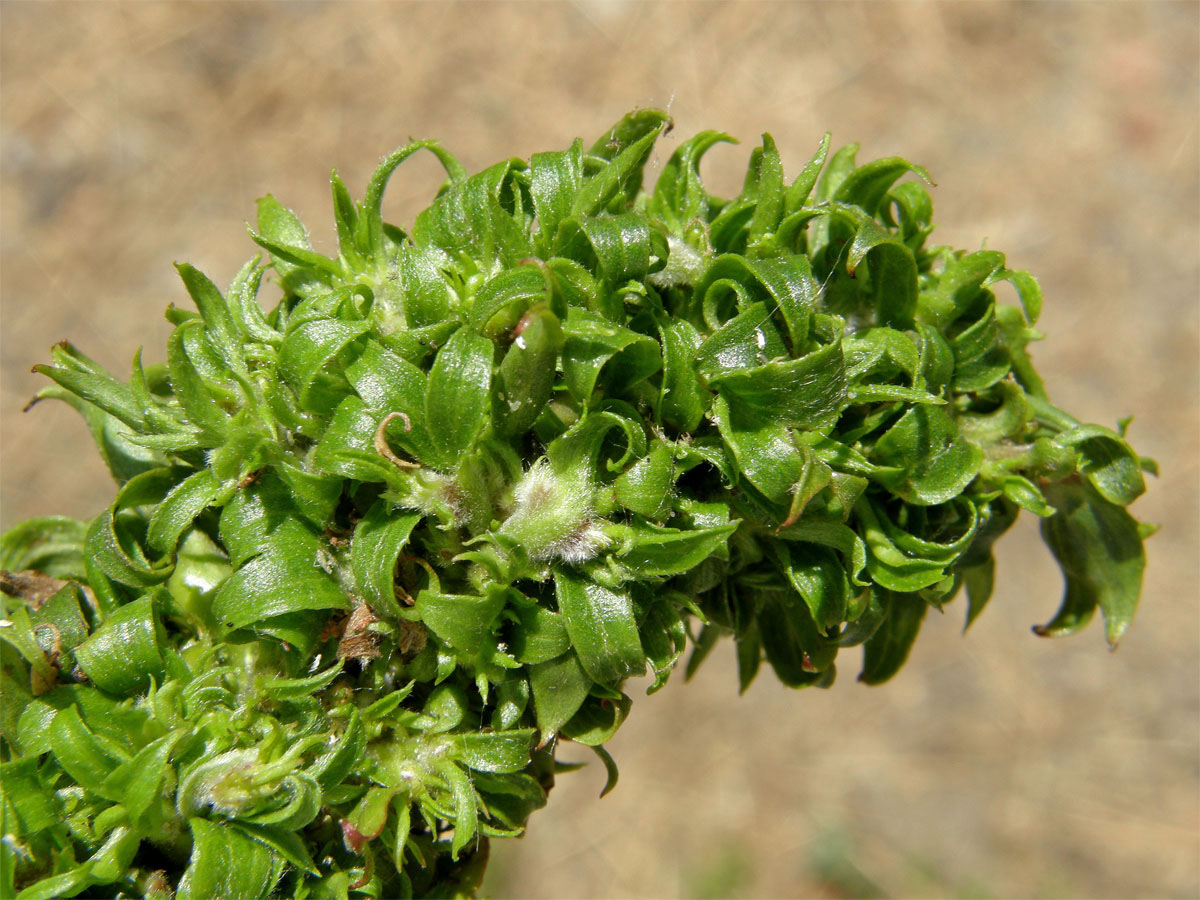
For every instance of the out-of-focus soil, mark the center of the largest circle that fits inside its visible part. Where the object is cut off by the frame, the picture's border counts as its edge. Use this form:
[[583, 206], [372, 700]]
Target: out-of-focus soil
[[135, 134]]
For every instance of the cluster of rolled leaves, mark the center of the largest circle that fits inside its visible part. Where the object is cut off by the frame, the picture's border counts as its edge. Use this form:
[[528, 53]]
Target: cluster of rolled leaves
[[376, 553]]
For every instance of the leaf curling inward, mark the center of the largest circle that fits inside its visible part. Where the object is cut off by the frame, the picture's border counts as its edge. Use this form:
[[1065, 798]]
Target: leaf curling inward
[[381, 444]]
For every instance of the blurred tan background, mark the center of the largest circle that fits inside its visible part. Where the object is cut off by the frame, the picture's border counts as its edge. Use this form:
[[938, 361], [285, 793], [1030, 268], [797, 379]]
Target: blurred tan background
[[135, 134]]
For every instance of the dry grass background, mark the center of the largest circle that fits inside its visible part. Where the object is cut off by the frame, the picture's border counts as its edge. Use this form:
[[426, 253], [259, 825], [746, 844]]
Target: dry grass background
[[135, 134]]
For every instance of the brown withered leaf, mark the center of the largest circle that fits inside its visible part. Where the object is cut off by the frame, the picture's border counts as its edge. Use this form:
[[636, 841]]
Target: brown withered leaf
[[357, 642], [35, 588], [411, 638]]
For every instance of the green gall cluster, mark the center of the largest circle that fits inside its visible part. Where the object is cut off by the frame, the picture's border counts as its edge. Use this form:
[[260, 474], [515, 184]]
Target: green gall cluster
[[377, 552]]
